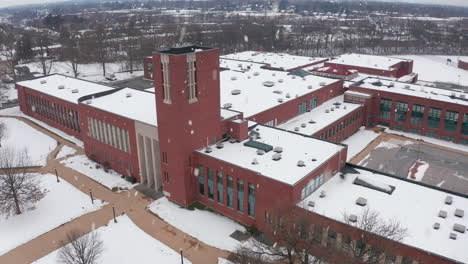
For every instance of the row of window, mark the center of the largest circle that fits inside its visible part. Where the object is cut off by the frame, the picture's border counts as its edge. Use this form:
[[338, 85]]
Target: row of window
[[303, 105], [311, 186], [331, 132], [54, 112], [109, 134], [417, 116], [228, 186]]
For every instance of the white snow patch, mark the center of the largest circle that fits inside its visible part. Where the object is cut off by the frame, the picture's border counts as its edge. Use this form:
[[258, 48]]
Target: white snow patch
[[65, 151], [359, 141], [215, 232], [87, 167], [20, 136], [420, 172], [61, 204], [125, 243], [224, 261]]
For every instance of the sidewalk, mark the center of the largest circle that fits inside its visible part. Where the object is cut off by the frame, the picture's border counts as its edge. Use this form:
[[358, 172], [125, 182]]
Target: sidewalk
[[131, 203]]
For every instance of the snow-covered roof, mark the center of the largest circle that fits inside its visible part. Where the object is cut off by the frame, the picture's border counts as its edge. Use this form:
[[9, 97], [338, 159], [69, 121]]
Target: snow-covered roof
[[318, 118], [414, 90], [151, 90], [257, 96], [357, 94], [130, 103], [367, 61], [276, 60], [236, 65], [284, 170], [72, 89], [416, 207], [226, 113]]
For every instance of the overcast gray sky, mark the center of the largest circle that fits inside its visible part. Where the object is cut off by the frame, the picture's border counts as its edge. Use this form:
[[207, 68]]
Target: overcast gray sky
[[6, 3]]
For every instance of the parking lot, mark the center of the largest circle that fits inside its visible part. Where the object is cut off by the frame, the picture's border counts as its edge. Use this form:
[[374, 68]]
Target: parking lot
[[431, 164]]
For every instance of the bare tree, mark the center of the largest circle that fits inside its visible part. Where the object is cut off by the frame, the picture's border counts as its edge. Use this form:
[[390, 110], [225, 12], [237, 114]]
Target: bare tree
[[2, 129], [81, 249], [369, 248], [72, 50], [8, 51], [45, 61], [19, 190], [101, 46]]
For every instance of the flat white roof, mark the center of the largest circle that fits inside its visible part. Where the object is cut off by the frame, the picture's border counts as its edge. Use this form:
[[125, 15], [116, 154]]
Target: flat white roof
[[367, 61], [284, 170], [255, 97], [416, 207], [319, 117], [236, 65], [130, 103], [414, 90], [277, 60], [72, 91], [226, 113]]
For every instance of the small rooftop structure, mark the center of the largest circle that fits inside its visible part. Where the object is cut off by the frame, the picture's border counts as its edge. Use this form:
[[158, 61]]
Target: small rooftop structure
[[367, 61], [415, 206], [184, 50], [64, 87], [379, 84], [284, 167], [130, 103]]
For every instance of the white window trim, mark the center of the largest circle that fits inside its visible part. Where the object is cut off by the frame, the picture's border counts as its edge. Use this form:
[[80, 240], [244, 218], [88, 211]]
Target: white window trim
[[166, 78]]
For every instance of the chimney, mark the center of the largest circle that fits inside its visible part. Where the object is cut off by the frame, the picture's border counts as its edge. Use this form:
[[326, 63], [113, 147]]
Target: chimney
[[238, 129]]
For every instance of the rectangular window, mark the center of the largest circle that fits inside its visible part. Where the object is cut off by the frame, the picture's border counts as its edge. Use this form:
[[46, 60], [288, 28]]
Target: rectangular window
[[414, 130], [465, 125], [313, 103], [166, 78], [240, 195], [302, 107], [219, 180], [230, 191], [417, 115], [451, 121], [401, 111], [192, 77], [251, 204], [201, 180], [399, 128], [385, 108], [210, 183], [448, 138], [433, 119], [432, 135]]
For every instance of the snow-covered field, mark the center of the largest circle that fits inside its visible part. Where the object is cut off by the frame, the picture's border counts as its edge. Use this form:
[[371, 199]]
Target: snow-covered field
[[434, 141], [65, 151], [20, 136], [358, 141], [435, 68], [15, 111], [87, 167], [126, 243], [90, 72], [210, 228], [60, 205]]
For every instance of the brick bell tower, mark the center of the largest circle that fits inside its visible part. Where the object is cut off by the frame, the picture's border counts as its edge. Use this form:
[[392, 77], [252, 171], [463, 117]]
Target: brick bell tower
[[188, 108]]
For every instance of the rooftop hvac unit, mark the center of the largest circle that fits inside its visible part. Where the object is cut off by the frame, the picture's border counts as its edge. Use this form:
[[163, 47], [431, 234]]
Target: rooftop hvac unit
[[254, 162], [280, 100], [314, 159], [407, 86], [276, 156], [293, 76], [249, 77], [311, 122], [43, 81], [233, 78], [260, 152], [453, 236], [322, 83], [236, 92], [301, 163], [75, 91], [232, 140], [332, 109], [274, 74], [277, 92], [344, 107], [327, 111], [352, 218], [280, 80], [459, 228], [323, 194], [453, 94], [288, 95], [311, 204], [436, 225], [208, 150], [220, 145], [361, 201], [462, 96], [309, 86], [442, 214], [296, 129], [268, 83], [128, 95], [278, 149], [459, 213], [448, 199], [303, 125], [256, 74], [61, 87], [88, 101], [227, 105]]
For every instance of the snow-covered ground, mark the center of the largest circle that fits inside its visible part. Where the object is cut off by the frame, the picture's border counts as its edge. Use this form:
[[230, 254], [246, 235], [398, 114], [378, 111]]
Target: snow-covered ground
[[87, 167], [435, 68], [216, 228], [20, 136], [15, 111], [90, 72], [60, 205], [126, 243], [8, 93], [359, 141], [65, 151], [434, 141], [224, 261]]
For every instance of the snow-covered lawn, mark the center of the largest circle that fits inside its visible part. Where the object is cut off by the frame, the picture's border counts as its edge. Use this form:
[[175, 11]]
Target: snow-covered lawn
[[65, 151], [15, 111], [359, 141], [20, 136], [210, 228], [96, 172], [126, 243], [435, 141], [60, 205], [435, 68]]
